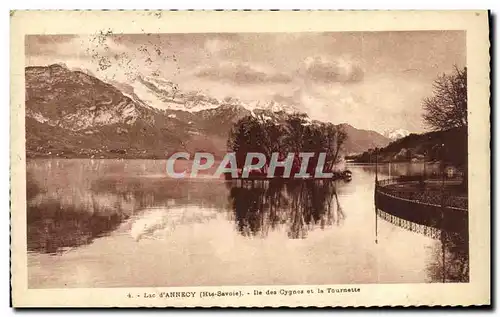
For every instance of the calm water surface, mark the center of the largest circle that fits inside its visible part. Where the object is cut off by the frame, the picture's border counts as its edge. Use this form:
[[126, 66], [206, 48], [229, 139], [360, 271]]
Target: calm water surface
[[110, 223]]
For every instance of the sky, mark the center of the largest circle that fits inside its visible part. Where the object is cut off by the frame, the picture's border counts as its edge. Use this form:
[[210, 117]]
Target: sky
[[371, 80]]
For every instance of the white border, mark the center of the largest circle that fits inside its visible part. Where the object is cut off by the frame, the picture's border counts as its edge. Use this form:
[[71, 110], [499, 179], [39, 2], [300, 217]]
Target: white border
[[256, 4]]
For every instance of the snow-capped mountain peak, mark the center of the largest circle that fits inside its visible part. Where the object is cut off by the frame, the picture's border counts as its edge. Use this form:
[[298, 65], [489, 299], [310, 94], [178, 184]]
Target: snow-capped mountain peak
[[396, 134], [162, 94]]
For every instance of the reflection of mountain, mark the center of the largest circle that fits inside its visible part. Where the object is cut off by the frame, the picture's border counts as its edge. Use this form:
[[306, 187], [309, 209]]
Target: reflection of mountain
[[73, 114], [158, 192], [62, 213], [70, 205], [260, 206], [52, 227]]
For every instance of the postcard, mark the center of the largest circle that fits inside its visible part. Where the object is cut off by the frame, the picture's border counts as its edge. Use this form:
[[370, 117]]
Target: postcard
[[250, 158]]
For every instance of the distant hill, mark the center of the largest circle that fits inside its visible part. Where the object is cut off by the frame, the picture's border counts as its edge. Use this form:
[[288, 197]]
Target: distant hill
[[361, 140], [74, 114], [449, 145]]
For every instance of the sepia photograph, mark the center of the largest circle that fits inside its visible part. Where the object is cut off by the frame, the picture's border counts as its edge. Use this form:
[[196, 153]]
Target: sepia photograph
[[205, 164]]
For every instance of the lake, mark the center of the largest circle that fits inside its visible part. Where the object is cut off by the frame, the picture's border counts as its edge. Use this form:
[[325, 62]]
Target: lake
[[124, 223]]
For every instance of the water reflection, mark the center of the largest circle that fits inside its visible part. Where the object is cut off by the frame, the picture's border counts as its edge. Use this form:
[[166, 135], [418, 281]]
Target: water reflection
[[159, 223], [451, 259], [149, 192], [125, 216], [300, 205], [62, 213], [401, 169], [70, 205], [54, 227]]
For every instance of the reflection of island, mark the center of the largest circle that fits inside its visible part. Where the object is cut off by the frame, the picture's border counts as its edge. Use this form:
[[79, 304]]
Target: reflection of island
[[300, 205]]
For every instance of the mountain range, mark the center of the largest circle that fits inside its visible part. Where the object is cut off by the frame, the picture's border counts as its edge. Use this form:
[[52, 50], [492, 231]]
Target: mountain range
[[71, 113], [396, 134]]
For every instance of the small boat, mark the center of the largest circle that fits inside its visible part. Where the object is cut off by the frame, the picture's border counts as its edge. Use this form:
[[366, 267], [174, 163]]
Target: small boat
[[347, 175]]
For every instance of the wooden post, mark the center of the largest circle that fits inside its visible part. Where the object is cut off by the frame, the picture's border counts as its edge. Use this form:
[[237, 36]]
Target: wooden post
[[390, 165], [425, 172]]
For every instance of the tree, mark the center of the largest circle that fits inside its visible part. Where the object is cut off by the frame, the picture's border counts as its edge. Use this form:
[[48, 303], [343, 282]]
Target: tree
[[340, 138], [296, 130], [247, 135], [293, 134], [446, 111], [447, 108]]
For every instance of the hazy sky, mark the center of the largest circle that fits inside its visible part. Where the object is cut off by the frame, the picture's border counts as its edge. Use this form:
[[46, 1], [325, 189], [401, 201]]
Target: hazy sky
[[371, 80]]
